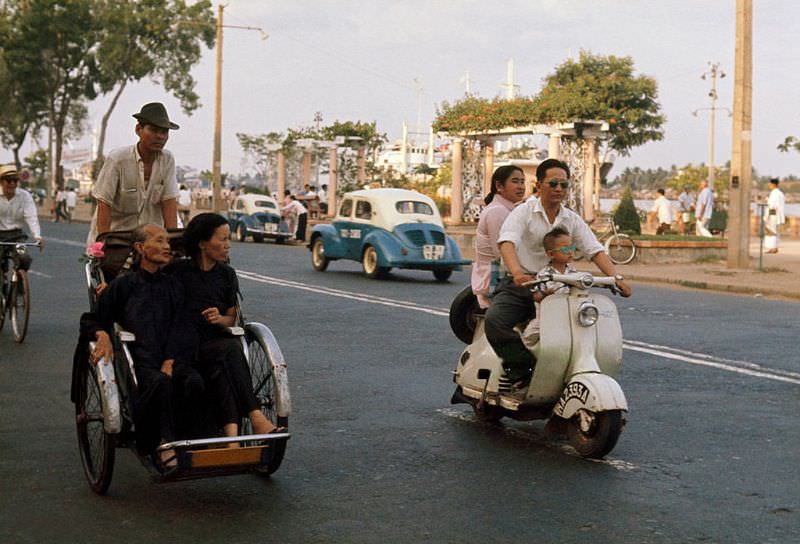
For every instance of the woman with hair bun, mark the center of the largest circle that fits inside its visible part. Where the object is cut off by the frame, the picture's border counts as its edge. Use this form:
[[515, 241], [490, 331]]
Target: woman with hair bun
[[211, 288], [508, 189]]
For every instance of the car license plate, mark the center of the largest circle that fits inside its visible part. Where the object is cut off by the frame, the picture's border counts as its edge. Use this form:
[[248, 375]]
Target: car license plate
[[432, 252], [270, 228]]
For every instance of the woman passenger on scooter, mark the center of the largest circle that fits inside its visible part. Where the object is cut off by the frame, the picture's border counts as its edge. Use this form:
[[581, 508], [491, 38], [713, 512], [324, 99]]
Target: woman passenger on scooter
[[508, 189], [211, 288]]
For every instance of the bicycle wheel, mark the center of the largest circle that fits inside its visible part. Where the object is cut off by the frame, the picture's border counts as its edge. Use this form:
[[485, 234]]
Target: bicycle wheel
[[20, 306], [3, 301], [96, 445], [267, 389], [620, 248]]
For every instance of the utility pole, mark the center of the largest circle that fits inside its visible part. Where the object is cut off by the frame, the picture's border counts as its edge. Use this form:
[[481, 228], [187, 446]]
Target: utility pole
[[419, 90], [509, 86], [466, 82], [741, 158], [216, 161], [713, 73]]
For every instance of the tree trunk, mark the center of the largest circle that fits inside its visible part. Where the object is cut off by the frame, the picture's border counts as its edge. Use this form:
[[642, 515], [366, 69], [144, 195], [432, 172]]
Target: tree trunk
[[101, 140]]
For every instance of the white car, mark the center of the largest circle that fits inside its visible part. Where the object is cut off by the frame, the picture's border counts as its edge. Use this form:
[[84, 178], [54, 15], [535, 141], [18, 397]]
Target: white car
[[256, 216]]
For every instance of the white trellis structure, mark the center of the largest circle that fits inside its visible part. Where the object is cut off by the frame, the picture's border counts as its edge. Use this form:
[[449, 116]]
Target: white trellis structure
[[575, 143]]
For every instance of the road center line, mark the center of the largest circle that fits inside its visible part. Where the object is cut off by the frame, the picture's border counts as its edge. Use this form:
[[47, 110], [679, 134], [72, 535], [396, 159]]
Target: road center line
[[666, 352], [72, 243]]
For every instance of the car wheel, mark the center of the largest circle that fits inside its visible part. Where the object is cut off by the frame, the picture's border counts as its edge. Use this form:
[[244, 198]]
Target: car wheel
[[318, 259], [369, 263], [258, 238], [242, 233], [442, 274]]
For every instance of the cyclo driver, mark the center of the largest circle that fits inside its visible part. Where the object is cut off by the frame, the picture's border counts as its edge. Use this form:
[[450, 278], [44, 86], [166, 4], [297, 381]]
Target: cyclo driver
[[521, 246], [17, 209]]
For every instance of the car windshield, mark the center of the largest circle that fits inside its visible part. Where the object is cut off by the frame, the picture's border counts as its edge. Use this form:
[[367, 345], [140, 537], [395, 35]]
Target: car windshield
[[413, 206], [265, 204]]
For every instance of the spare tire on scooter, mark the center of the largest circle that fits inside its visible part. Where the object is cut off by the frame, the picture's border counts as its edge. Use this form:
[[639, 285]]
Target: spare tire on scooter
[[463, 311]]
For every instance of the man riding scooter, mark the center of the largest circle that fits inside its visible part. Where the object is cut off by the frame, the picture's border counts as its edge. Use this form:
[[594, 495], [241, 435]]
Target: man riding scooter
[[521, 246]]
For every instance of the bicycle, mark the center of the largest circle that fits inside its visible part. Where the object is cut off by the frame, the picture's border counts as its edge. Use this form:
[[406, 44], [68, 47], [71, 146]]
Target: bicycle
[[15, 290], [620, 247]]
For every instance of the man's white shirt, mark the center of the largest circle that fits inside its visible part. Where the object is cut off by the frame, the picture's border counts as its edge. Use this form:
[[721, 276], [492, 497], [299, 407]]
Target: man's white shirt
[[663, 208], [19, 211], [777, 202], [527, 224]]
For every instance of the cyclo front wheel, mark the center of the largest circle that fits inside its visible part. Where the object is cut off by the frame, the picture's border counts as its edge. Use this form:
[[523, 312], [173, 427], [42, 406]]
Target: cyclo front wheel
[[262, 349], [96, 445], [20, 305], [620, 248]]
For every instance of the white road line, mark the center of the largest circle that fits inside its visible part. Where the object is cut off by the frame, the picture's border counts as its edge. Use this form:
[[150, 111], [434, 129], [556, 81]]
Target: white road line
[[72, 243], [666, 352], [41, 274]]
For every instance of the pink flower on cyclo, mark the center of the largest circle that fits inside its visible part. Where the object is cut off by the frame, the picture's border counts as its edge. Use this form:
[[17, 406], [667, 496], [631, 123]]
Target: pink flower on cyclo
[[96, 250]]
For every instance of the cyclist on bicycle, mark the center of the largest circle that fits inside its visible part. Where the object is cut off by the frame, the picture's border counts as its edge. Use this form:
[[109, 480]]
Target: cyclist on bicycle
[[17, 209], [521, 244]]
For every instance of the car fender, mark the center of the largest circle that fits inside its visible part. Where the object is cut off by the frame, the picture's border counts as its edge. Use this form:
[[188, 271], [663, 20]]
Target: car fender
[[332, 242], [386, 244], [452, 252]]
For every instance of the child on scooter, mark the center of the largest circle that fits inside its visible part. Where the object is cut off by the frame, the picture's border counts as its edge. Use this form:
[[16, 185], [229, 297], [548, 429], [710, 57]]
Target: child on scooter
[[559, 247]]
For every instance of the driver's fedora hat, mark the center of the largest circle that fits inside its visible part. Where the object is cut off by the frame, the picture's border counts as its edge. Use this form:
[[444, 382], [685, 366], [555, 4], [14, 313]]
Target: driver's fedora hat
[[155, 113]]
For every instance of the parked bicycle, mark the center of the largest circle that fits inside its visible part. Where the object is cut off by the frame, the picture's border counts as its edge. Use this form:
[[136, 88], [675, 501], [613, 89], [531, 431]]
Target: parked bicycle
[[620, 247], [15, 292]]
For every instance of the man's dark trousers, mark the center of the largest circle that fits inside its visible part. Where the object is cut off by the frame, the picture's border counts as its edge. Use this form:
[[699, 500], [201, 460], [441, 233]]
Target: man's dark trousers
[[511, 305]]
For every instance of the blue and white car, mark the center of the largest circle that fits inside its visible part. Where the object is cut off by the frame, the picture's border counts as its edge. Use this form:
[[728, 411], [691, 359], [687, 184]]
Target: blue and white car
[[385, 229], [257, 217]]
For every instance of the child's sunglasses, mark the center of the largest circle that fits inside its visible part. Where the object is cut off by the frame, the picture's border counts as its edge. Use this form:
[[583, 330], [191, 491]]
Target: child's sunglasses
[[566, 250]]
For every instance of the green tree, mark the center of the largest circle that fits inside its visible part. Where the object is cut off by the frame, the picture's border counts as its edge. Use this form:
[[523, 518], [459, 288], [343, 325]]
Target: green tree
[[36, 162], [789, 144], [24, 108], [257, 149], [159, 39], [604, 88], [625, 216], [60, 39]]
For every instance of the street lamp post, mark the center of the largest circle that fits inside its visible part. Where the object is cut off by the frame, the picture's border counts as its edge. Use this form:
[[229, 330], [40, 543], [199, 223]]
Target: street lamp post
[[216, 160]]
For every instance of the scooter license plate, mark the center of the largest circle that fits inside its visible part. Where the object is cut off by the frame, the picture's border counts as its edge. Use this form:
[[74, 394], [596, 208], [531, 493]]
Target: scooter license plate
[[432, 252]]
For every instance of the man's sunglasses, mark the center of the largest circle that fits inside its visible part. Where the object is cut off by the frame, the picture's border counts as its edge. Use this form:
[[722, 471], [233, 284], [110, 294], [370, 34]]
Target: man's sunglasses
[[566, 250], [10, 180], [555, 183]]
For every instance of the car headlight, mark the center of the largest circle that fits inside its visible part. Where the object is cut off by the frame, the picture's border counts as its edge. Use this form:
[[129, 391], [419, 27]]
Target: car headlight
[[588, 314]]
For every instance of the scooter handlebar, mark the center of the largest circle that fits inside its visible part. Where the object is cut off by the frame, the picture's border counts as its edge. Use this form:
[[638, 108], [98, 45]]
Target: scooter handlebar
[[577, 279]]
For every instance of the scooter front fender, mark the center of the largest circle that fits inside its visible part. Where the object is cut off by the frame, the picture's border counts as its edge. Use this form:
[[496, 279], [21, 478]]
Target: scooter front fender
[[592, 392]]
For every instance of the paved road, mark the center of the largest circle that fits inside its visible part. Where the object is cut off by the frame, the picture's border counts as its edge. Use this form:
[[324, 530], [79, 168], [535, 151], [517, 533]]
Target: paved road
[[378, 454]]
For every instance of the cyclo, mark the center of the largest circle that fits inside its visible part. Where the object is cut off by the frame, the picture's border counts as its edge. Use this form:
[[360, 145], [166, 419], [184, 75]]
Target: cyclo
[[102, 394]]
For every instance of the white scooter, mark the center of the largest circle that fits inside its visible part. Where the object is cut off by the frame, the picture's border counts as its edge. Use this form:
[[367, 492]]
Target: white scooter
[[577, 356]]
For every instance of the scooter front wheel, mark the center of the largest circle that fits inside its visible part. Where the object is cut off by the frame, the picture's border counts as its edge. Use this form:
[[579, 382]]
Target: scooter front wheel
[[594, 435], [488, 413]]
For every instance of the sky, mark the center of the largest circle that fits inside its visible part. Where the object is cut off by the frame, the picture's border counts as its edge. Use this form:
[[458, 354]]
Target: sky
[[357, 60]]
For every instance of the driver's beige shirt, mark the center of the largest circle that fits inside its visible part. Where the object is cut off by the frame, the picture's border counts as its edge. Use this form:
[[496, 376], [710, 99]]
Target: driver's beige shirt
[[121, 185], [527, 224]]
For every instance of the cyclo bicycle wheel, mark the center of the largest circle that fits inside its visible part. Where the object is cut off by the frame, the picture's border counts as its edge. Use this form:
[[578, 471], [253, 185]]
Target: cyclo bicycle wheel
[[20, 305], [4, 283], [620, 248], [97, 447], [266, 389]]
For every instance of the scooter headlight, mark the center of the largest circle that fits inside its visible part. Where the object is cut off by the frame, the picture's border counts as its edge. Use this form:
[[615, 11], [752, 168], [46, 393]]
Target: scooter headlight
[[588, 314]]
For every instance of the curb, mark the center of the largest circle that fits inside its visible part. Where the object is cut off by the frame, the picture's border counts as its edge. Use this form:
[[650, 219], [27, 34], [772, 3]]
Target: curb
[[723, 288]]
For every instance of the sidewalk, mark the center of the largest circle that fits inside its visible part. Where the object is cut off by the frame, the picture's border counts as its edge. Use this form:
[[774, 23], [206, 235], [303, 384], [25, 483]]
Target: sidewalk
[[779, 278]]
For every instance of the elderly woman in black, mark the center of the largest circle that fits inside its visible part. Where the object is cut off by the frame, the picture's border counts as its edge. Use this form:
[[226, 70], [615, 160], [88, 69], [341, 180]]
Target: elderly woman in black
[[211, 288]]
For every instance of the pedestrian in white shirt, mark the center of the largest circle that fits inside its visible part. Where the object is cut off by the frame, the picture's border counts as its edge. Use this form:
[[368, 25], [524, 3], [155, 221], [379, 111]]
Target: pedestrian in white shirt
[[662, 209], [705, 206], [296, 218], [686, 203], [59, 211], [521, 246], [775, 216], [17, 208], [71, 200]]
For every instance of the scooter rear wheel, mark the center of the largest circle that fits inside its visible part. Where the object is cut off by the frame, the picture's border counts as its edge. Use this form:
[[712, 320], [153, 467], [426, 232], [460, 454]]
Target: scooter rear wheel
[[488, 413], [594, 435]]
